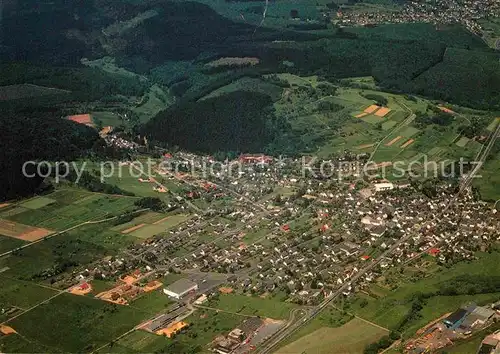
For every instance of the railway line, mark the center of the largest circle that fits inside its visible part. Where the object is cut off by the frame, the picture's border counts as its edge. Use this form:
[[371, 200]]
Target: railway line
[[288, 331]]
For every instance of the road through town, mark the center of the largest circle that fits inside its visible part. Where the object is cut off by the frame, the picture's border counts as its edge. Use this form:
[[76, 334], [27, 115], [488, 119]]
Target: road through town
[[286, 332]]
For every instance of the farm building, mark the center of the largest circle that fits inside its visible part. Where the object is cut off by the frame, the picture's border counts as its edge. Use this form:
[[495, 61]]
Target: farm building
[[180, 288]]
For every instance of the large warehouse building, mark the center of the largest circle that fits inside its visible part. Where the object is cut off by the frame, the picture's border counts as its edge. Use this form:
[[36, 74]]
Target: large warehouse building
[[180, 288]]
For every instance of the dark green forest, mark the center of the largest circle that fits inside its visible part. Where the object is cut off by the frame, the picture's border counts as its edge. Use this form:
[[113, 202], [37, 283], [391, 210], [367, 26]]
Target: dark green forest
[[238, 121], [41, 135], [47, 39]]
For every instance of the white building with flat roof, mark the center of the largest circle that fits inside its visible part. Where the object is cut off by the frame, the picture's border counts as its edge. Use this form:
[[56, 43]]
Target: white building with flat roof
[[180, 288]]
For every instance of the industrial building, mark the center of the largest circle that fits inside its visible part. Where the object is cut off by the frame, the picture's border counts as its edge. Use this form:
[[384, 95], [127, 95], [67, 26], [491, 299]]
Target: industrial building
[[180, 288], [457, 318], [454, 320]]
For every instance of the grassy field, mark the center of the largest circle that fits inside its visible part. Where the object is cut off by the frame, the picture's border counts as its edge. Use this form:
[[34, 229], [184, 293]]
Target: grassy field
[[351, 337], [489, 181], [21, 294], [251, 305], [334, 132], [329, 317], [471, 345], [77, 323], [154, 101], [15, 343], [107, 118], [127, 177], [204, 327], [27, 91], [37, 203], [98, 286], [493, 124], [70, 208], [151, 224], [140, 342], [152, 302], [45, 260], [391, 308], [9, 243]]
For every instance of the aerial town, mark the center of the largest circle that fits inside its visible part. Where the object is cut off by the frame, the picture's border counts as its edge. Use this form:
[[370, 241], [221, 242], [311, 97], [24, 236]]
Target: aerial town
[[250, 176], [437, 12], [271, 230]]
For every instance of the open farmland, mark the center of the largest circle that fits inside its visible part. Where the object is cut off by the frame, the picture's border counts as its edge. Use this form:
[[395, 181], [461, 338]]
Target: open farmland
[[21, 294], [127, 178], [391, 308], [352, 337], [37, 203], [254, 306], [77, 323], [71, 208]]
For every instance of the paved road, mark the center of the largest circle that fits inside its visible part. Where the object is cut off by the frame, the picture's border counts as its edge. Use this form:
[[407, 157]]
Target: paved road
[[222, 188]]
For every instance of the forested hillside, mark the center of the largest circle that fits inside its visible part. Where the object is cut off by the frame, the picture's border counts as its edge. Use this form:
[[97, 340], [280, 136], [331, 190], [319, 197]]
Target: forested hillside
[[239, 121], [37, 135]]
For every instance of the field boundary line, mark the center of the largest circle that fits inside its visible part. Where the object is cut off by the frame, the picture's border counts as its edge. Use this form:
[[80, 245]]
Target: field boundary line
[[221, 310], [35, 306], [361, 318], [89, 222]]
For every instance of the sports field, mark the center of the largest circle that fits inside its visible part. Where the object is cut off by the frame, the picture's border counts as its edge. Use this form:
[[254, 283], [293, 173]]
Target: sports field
[[389, 124], [352, 337]]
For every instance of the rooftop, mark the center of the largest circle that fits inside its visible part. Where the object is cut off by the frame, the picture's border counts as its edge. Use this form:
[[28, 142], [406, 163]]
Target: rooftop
[[181, 286]]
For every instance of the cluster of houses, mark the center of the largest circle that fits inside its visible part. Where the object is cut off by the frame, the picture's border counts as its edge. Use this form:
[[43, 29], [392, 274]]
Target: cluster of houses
[[467, 13], [284, 232]]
